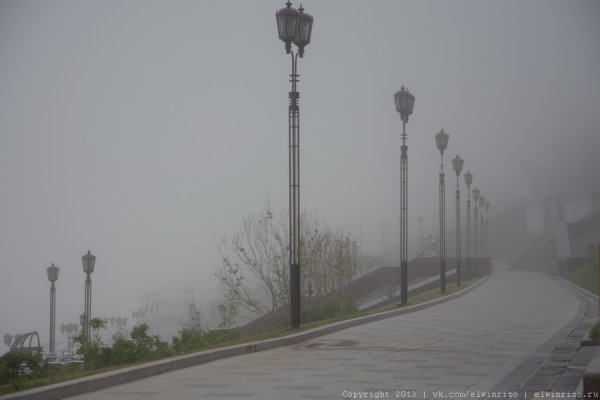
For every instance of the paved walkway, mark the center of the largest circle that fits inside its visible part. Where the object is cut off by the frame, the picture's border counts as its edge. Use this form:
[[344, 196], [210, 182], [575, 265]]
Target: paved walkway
[[473, 343]]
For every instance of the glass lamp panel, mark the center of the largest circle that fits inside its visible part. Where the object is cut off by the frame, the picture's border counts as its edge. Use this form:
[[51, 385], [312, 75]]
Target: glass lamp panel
[[52, 272], [287, 23], [405, 102], [441, 140], [304, 30], [89, 260], [468, 178], [457, 164]]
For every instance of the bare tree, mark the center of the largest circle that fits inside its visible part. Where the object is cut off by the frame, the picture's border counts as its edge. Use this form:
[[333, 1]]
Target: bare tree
[[254, 270], [256, 259], [228, 311], [191, 318]]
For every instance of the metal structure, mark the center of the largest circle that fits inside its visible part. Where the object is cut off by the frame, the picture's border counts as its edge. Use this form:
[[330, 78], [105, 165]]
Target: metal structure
[[405, 103], [69, 330], [457, 165], [468, 181], [475, 224], [52, 272], [294, 26], [24, 343], [441, 141], [89, 261]]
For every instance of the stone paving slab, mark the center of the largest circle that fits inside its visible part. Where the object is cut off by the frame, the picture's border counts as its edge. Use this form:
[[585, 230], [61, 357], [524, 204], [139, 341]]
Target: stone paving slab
[[471, 343], [558, 366]]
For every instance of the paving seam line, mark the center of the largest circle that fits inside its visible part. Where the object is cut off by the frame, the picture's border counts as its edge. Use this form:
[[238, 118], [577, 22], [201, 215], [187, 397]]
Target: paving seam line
[[104, 380]]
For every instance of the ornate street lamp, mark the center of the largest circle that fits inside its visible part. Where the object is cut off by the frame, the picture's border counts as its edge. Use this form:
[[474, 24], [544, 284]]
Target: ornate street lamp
[[405, 103], [481, 226], [294, 26], [441, 140], [52, 272], [457, 164], [468, 182], [88, 260], [487, 231], [475, 224]]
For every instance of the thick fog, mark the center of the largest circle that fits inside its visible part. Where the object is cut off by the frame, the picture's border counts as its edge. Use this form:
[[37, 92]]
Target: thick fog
[[146, 130]]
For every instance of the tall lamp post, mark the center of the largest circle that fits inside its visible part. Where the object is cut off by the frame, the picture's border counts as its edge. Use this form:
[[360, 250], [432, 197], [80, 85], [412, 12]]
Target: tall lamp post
[[52, 272], [405, 103], [468, 181], [294, 26], [475, 224], [457, 164], [481, 226], [441, 140], [88, 260], [487, 231]]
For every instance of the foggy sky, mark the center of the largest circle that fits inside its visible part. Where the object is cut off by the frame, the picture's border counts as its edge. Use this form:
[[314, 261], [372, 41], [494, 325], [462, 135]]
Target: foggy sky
[[146, 130]]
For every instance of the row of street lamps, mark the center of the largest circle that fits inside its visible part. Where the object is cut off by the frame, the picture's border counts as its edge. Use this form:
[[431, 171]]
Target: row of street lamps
[[441, 140], [89, 261], [405, 101], [295, 27]]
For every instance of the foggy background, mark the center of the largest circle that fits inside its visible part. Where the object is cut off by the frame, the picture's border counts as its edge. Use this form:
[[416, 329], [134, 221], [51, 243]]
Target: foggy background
[[146, 130]]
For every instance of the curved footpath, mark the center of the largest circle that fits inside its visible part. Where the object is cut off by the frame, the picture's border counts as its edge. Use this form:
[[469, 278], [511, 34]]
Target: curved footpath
[[508, 334]]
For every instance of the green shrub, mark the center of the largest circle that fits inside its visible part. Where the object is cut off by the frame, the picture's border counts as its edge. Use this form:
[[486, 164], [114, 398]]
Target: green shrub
[[10, 366], [594, 333]]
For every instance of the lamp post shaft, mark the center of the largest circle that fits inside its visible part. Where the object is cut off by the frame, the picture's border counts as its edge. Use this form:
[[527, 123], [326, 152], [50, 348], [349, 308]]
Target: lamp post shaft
[[487, 233], [294, 195], [475, 231], [481, 233], [458, 266], [52, 318], [88, 309], [403, 218], [442, 230], [468, 232]]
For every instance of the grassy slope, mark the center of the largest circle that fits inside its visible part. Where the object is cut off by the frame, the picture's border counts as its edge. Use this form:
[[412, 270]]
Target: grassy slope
[[586, 277]]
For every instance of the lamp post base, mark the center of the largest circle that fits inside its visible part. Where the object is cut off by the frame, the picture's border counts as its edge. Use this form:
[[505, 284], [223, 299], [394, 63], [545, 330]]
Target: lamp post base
[[404, 282], [443, 276], [295, 296]]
